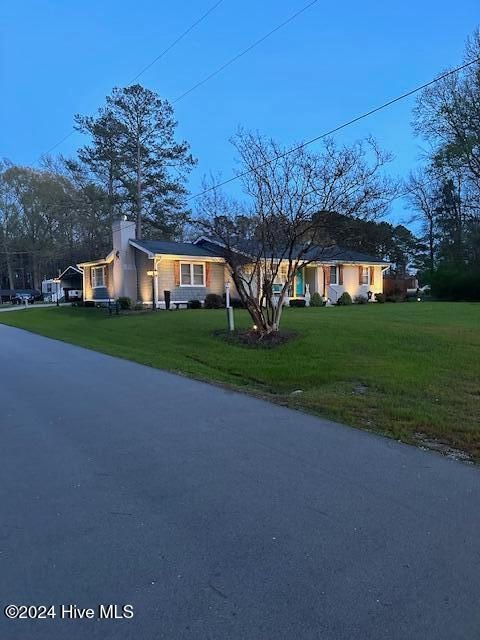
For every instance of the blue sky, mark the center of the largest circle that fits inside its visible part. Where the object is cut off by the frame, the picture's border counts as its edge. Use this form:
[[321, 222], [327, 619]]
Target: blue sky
[[333, 62]]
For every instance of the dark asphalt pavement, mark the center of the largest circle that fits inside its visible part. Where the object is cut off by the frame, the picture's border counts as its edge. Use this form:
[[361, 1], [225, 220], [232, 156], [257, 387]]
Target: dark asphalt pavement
[[219, 516]]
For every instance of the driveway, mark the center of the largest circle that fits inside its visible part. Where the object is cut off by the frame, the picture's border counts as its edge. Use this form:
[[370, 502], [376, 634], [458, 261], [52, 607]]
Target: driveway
[[216, 515]]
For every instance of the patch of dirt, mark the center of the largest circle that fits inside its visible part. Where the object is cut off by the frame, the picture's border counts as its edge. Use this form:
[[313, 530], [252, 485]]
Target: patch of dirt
[[360, 389], [427, 442], [255, 339]]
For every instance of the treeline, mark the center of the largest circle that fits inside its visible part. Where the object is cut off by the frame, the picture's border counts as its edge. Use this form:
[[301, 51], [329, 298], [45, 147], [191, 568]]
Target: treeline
[[61, 213], [445, 193]]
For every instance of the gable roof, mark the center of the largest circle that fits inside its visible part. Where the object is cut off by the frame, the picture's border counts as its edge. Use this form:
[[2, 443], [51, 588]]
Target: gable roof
[[91, 263], [175, 248], [336, 253], [75, 271], [333, 253]]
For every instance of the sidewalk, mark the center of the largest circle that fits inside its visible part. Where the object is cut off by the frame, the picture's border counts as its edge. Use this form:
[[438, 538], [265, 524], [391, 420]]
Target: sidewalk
[[20, 307]]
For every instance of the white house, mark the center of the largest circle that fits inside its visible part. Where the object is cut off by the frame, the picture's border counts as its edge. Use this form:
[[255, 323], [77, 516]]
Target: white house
[[144, 269], [68, 286]]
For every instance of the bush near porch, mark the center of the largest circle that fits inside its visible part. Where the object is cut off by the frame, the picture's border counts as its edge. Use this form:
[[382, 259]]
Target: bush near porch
[[411, 371]]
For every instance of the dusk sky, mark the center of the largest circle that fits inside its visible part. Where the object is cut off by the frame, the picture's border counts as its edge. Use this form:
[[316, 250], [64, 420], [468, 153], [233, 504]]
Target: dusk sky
[[331, 63]]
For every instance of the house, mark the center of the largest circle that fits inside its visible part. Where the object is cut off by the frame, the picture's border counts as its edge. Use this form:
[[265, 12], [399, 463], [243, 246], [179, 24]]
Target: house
[[68, 286], [6, 295], [144, 270]]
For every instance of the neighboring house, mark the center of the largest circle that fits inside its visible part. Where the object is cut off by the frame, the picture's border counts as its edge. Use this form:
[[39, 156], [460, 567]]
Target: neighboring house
[[6, 295], [68, 286], [144, 269]]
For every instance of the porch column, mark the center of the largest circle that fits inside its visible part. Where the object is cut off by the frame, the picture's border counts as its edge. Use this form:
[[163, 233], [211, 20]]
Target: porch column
[[319, 279], [155, 282]]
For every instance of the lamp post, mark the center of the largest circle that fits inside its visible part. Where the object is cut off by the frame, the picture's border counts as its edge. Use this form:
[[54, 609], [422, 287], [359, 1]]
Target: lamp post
[[153, 273], [57, 282], [230, 320]]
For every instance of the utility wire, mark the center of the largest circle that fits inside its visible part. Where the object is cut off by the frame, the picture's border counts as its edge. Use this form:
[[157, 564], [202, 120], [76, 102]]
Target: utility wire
[[336, 129], [244, 52], [150, 64], [175, 42]]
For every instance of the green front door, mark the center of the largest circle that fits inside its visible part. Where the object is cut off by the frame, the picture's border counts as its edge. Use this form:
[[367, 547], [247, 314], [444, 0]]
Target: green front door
[[299, 288]]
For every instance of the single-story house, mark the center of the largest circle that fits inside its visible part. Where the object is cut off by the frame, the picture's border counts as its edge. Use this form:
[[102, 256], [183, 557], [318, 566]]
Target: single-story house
[[6, 295], [68, 286], [144, 269]]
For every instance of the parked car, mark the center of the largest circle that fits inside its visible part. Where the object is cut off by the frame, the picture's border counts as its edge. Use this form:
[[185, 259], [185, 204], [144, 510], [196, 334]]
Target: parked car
[[22, 297], [74, 294]]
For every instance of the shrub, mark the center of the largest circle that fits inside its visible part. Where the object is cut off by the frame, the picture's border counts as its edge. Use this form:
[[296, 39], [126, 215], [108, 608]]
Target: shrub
[[361, 300], [235, 303], [124, 302], [412, 297], [316, 300], [89, 303], [297, 302], [380, 297], [345, 299], [456, 282], [213, 301], [194, 304]]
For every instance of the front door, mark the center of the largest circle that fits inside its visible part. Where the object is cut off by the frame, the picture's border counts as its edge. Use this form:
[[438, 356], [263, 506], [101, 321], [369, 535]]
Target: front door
[[299, 285]]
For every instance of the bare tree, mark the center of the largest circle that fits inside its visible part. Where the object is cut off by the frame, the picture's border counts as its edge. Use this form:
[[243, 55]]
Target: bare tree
[[278, 233], [423, 196], [447, 114]]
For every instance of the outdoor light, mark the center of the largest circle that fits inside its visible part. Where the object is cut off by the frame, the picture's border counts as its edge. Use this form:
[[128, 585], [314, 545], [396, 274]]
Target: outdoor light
[[419, 299], [152, 274], [255, 327]]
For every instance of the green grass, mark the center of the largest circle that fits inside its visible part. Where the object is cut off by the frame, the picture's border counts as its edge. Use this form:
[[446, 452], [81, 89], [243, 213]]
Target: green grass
[[400, 369]]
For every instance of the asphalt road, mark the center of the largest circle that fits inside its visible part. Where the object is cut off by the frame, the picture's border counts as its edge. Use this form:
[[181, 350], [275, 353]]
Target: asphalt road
[[218, 516]]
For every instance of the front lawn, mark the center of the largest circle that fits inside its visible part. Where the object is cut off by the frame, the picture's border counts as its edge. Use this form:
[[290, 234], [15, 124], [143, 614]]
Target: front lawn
[[408, 370]]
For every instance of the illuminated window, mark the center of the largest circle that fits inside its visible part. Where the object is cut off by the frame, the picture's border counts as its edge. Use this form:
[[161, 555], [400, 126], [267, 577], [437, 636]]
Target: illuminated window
[[364, 276], [192, 274], [98, 277], [333, 275]]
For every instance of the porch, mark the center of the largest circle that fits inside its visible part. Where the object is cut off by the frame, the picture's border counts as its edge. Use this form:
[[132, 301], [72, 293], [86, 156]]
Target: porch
[[331, 280]]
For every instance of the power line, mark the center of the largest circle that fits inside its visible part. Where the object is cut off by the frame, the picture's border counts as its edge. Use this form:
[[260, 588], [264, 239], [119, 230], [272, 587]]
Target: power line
[[175, 42], [339, 128], [150, 64], [336, 129], [245, 51]]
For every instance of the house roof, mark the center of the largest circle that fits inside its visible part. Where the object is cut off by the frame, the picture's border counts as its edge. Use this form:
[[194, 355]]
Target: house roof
[[208, 248], [175, 248], [333, 253], [75, 271], [92, 263], [336, 253]]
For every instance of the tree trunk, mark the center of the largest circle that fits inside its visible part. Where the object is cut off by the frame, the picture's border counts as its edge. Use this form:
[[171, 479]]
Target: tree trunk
[[138, 227], [11, 280]]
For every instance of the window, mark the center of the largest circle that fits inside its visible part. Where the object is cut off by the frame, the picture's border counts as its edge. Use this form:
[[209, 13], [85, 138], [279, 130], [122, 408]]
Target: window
[[333, 275], [192, 274], [280, 278], [364, 275], [98, 277]]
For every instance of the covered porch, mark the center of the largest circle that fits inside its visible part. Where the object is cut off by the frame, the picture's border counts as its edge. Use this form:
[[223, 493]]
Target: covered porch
[[331, 280]]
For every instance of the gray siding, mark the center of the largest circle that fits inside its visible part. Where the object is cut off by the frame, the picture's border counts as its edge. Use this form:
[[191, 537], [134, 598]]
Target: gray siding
[[99, 293], [166, 281], [144, 281]]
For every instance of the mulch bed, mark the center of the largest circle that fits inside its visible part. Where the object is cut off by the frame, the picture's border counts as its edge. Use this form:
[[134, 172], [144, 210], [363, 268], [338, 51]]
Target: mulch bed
[[254, 339]]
